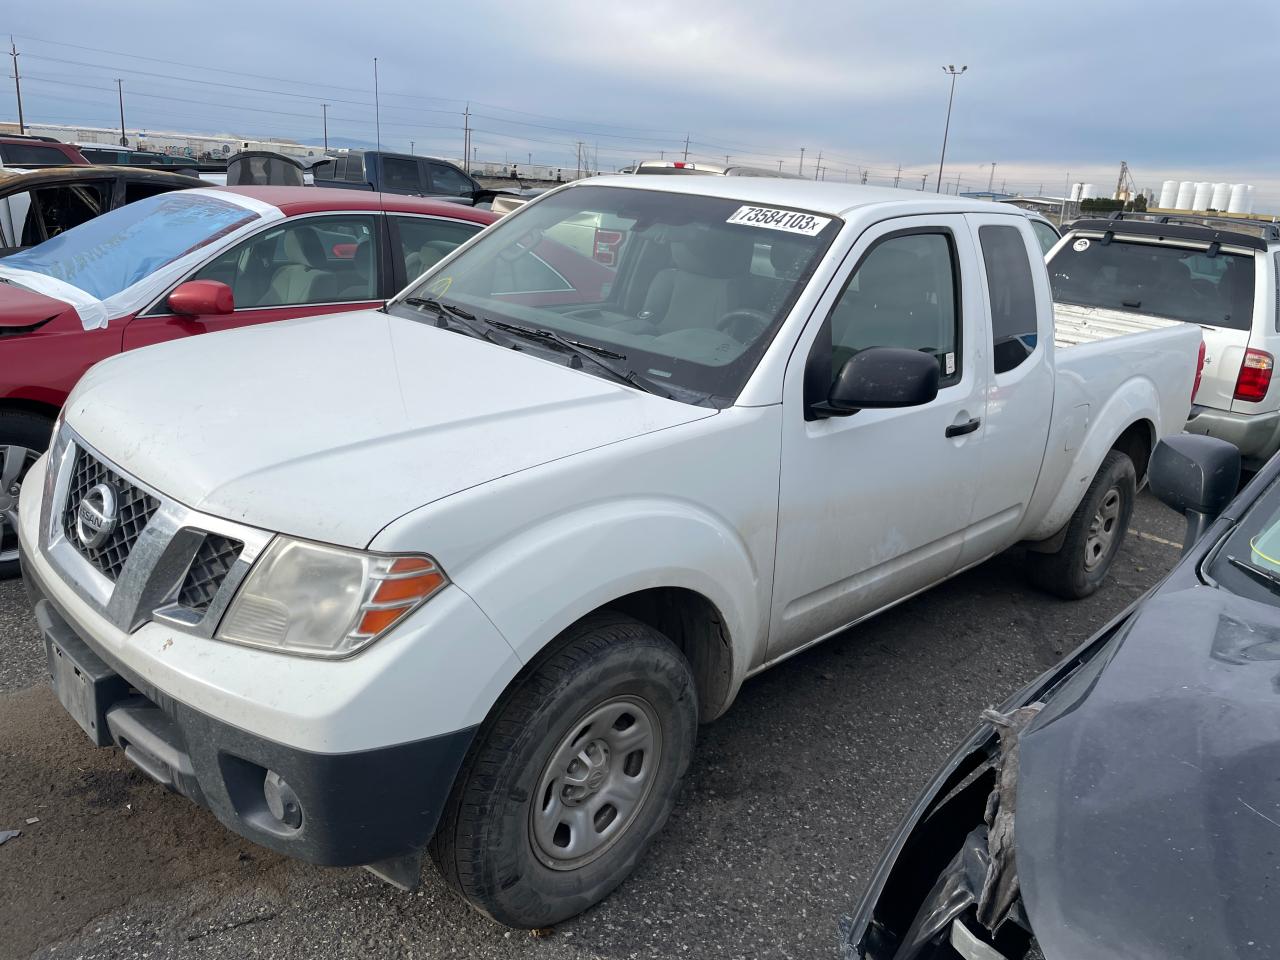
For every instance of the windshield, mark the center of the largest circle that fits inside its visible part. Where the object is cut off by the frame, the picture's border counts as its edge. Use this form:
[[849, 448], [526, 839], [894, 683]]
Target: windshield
[[1248, 563], [105, 255], [1164, 281], [687, 290]]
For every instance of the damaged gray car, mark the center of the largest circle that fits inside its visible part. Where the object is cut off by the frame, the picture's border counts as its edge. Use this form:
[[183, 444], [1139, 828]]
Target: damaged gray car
[[1126, 803]]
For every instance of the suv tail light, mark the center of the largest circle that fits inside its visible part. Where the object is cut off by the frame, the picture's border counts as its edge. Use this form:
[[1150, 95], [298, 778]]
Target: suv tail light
[[1255, 375], [1199, 372]]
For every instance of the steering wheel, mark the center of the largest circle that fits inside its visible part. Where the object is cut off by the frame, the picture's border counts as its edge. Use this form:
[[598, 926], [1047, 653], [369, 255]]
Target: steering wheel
[[744, 324]]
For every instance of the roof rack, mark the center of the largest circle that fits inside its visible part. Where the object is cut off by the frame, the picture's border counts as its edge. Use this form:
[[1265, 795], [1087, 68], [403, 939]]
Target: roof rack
[[1268, 230]]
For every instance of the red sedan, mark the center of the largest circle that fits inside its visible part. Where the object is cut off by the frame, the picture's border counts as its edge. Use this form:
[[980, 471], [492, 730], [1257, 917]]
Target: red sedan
[[189, 262]]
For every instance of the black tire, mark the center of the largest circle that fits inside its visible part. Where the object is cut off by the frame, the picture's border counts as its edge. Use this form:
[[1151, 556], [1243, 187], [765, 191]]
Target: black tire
[[28, 432], [1077, 569], [486, 845]]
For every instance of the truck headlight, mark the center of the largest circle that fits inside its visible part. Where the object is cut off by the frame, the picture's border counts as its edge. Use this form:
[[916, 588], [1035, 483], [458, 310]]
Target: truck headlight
[[321, 601]]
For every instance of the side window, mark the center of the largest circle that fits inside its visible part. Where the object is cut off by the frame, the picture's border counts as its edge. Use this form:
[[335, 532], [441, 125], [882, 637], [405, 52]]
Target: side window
[[1012, 293], [311, 260], [424, 241], [400, 175], [137, 191], [1045, 234], [36, 215], [448, 182], [903, 294]]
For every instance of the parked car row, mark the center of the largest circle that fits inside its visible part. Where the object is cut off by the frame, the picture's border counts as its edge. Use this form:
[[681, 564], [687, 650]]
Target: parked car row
[[542, 513]]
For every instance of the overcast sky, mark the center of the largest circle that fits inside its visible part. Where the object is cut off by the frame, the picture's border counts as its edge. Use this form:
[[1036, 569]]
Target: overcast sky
[[1179, 89]]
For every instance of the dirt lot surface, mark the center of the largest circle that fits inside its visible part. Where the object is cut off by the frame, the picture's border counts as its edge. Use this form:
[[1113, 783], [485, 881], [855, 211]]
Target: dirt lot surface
[[789, 802]]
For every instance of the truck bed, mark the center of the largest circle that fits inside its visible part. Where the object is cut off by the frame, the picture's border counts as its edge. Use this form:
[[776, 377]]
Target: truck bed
[[1073, 325]]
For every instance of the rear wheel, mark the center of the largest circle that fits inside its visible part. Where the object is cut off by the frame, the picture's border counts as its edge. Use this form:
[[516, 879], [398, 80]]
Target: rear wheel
[[1094, 535], [572, 775], [23, 437]]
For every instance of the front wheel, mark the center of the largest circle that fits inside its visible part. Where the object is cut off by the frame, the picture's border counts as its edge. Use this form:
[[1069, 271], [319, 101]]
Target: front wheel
[[1094, 533], [23, 437], [572, 775]]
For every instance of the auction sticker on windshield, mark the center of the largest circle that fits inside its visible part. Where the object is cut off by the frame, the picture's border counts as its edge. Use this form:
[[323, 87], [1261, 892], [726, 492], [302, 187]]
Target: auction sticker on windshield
[[791, 221]]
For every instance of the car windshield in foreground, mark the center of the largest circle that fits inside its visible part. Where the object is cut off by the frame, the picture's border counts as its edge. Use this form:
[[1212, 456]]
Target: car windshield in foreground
[[1248, 563], [107, 254], [685, 292], [1179, 283]]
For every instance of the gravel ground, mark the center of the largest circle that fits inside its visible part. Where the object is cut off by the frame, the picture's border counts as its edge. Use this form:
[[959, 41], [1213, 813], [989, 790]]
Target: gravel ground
[[786, 809]]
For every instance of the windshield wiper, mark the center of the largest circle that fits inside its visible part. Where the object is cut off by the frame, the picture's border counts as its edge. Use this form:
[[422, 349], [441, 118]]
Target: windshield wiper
[[1265, 577], [444, 313], [587, 351]]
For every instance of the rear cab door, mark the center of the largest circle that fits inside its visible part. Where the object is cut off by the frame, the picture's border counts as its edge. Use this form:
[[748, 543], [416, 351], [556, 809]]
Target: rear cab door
[[1020, 386]]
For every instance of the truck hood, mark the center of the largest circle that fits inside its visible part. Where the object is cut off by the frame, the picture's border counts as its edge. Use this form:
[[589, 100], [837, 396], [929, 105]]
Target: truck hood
[[331, 427], [20, 307], [1148, 799]]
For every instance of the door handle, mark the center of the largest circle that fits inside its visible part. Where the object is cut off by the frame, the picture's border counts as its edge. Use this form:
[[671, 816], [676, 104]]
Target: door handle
[[960, 429]]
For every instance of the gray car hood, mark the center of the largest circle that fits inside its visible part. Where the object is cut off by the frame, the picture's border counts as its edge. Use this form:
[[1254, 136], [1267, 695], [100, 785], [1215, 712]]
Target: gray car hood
[[1148, 818]]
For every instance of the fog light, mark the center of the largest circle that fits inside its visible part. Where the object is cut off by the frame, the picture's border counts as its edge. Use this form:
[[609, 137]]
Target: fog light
[[281, 800]]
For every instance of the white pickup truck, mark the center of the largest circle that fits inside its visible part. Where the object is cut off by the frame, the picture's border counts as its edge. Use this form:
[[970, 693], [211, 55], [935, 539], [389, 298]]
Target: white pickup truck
[[465, 573]]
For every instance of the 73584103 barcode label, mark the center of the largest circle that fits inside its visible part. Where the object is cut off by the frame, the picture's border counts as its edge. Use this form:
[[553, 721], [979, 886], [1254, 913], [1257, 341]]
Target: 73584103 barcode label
[[771, 218]]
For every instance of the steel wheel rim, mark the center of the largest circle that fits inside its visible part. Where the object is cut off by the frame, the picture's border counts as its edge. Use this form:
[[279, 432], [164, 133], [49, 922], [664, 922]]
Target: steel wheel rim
[[595, 782], [1103, 529], [15, 461]]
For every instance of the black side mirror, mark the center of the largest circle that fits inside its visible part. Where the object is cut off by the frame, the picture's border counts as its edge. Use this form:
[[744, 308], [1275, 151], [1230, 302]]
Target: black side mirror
[[880, 377], [1197, 476]]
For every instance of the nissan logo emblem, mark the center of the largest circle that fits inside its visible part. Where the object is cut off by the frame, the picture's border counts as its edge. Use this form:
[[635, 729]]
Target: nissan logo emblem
[[97, 515]]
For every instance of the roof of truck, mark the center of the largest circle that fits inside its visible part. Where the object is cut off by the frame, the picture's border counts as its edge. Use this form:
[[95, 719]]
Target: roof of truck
[[822, 196]]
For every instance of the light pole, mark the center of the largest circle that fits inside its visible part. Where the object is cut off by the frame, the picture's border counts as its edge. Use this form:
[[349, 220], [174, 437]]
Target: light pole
[[124, 141], [949, 69]]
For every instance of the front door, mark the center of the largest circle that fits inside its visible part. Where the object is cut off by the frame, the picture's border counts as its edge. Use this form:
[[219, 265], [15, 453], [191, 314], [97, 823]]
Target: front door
[[874, 507], [302, 267]]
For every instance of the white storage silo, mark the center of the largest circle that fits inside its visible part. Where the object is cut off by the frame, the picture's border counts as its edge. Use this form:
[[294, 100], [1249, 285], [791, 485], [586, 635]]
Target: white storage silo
[[1248, 207], [1239, 198], [1185, 191], [1075, 191], [1204, 191], [1088, 191], [1221, 195], [1168, 194]]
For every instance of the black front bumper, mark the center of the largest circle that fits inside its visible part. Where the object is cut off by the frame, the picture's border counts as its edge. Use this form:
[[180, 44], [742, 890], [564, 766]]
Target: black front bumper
[[355, 808]]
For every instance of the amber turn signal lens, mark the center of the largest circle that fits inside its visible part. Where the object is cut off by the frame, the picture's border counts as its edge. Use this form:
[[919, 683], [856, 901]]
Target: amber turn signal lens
[[408, 588], [375, 621]]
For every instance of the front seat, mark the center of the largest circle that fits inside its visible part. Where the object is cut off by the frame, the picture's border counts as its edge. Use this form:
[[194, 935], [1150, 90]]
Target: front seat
[[705, 283], [305, 266]]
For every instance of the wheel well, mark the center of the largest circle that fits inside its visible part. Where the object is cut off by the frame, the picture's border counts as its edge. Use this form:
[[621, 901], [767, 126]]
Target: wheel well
[[1136, 443], [16, 405], [693, 624]]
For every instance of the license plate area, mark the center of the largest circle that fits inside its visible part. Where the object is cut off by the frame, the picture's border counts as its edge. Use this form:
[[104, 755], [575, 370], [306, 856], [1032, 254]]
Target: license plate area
[[85, 685]]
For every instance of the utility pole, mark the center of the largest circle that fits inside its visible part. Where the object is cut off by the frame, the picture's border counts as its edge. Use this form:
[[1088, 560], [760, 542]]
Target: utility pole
[[950, 69], [466, 134], [324, 119], [377, 108], [992, 177], [726, 159], [1003, 185], [579, 159], [124, 141], [864, 177], [801, 171], [17, 85], [957, 184], [779, 165], [897, 176], [923, 179], [411, 146], [686, 147], [819, 165]]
